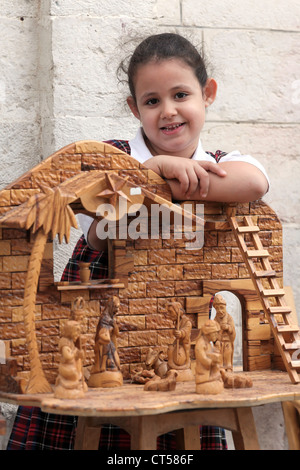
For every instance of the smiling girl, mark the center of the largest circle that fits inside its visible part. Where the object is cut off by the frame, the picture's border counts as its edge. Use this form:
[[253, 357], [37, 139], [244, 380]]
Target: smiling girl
[[169, 93]]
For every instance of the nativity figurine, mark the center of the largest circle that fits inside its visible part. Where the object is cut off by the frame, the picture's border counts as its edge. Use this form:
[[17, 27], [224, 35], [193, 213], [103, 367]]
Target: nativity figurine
[[106, 369], [179, 351], [70, 381], [227, 332], [159, 384], [208, 360], [79, 314], [155, 360]]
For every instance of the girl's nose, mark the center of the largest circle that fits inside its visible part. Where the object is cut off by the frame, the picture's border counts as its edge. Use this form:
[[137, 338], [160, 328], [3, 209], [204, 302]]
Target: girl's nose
[[168, 110]]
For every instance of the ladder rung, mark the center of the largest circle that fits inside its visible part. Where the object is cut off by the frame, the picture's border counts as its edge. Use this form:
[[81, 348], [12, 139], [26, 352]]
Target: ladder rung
[[273, 292], [275, 310], [291, 346], [257, 253], [248, 229], [259, 274], [287, 328], [295, 364]]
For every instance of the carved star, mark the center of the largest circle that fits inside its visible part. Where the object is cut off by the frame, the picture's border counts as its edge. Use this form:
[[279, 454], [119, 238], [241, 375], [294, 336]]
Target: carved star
[[113, 190]]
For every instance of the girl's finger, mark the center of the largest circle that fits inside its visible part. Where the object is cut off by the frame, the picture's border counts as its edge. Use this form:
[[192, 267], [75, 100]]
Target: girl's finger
[[183, 179], [193, 181], [213, 167], [203, 177]]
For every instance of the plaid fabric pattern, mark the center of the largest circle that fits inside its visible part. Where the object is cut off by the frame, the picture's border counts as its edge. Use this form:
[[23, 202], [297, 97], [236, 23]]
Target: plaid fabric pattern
[[120, 144], [218, 155], [36, 430], [82, 252], [113, 438]]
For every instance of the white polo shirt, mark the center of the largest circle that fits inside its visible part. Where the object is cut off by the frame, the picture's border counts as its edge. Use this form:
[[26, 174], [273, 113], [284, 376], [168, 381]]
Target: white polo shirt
[[140, 152]]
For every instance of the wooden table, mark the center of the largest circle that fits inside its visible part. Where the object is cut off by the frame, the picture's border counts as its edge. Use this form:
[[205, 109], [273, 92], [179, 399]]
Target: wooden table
[[146, 415]]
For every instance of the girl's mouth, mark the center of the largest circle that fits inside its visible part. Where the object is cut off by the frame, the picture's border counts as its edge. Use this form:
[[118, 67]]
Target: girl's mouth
[[172, 128]]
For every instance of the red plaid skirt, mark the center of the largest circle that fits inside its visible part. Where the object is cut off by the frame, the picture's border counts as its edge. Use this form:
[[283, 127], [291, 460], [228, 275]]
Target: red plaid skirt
[[35, 430], [82, 252]]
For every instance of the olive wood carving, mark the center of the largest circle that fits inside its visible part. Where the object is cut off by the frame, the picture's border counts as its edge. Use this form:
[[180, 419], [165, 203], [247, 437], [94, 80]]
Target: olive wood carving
[[179, 351], [106, 369], [208, 360], [227, 332], [70, 381]]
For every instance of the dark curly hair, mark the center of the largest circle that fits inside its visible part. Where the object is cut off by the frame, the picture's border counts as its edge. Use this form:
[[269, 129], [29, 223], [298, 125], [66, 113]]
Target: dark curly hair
[[162, 47]]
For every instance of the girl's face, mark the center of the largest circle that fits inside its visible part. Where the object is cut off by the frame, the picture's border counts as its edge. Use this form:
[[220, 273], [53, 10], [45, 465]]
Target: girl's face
[[170, 104]]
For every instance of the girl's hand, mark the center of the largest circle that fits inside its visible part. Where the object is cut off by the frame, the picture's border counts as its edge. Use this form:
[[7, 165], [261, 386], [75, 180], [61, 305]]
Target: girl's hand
[[235, 181], [192, 175]]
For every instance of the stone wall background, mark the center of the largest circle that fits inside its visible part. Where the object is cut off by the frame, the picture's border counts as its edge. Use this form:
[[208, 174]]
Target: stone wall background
[[58, 61]]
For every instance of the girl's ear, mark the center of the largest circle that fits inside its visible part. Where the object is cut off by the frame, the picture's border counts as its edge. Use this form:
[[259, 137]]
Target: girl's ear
[[210, 91], [133, 107]]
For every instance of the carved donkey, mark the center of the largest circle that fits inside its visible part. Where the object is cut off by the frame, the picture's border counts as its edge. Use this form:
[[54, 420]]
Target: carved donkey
[[155, 360], [166, 384]]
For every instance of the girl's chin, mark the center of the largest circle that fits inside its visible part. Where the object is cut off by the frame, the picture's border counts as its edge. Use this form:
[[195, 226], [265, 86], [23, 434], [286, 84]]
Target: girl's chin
[[174, 148]]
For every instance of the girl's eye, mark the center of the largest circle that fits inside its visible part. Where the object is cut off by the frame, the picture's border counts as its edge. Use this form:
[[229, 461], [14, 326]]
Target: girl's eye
[[181, 94], [152, 102]]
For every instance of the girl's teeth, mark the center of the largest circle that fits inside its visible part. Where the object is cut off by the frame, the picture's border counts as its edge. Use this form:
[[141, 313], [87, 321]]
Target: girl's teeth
[[172, 127]]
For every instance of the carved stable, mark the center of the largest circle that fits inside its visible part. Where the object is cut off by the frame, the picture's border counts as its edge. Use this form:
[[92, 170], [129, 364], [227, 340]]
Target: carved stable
[[242, 253]]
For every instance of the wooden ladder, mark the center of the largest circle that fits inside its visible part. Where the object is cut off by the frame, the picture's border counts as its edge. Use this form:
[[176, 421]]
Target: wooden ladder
[[272, 297]]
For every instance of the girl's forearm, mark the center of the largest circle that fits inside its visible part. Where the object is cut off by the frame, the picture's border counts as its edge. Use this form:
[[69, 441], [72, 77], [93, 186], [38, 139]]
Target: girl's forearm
[[153, 164], [243, 183]]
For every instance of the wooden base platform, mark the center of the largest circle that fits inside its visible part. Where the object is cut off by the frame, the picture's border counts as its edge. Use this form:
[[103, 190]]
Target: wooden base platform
[[146, 415]]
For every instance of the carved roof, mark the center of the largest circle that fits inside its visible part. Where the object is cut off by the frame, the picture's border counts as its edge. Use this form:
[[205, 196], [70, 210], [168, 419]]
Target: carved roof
[[41, 197]]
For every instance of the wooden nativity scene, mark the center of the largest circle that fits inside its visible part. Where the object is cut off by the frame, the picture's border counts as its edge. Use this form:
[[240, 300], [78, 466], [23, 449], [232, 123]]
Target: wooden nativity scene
[[148, 323]]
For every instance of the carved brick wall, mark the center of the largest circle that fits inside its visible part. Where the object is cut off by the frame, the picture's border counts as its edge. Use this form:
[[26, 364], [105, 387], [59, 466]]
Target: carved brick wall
[[162, 270], [159, 271]]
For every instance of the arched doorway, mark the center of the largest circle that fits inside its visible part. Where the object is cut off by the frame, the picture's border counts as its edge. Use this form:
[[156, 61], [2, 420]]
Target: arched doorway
[[254, 336], [234, 308]]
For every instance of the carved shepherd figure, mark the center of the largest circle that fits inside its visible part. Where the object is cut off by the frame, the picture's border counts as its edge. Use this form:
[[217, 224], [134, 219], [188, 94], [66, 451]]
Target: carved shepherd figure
[[70, 381], [179, 351], [208, 360], [106, 369], [227, 332]]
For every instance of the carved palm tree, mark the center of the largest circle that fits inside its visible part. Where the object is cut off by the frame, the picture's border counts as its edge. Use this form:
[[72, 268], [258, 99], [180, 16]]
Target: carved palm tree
[[46, 212]]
